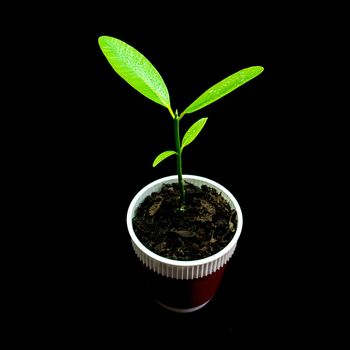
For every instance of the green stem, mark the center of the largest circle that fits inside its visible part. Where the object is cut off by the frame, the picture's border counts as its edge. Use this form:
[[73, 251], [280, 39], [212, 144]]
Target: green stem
[[179, 159]]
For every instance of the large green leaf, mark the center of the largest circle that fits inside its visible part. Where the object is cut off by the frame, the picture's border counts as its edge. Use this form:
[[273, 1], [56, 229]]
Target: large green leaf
[[223, 88], [135, 68], [162, 156], [193, 132]]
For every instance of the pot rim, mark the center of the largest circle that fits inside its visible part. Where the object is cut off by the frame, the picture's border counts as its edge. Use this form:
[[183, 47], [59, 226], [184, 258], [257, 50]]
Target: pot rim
[[170, 179]]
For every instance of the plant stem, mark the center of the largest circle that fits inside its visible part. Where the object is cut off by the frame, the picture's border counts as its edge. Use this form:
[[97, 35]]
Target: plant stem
[[179, 159]]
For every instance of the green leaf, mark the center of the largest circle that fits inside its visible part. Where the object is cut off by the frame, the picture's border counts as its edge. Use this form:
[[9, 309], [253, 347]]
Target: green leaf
[[224, 87], [163, 156], [135, 69], [193, 132]]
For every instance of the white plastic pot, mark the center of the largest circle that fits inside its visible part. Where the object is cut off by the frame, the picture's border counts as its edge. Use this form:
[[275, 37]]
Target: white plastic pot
[[183, 286]]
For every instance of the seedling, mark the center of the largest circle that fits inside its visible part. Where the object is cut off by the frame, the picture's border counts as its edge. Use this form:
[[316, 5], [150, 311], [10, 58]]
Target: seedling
[[139, 72]]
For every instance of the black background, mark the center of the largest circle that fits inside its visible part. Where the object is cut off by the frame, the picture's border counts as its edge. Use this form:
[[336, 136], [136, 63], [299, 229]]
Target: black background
[[96, 151]]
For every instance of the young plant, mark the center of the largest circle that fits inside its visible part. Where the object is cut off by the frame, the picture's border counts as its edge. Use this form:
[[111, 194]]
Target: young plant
[[138, 71]]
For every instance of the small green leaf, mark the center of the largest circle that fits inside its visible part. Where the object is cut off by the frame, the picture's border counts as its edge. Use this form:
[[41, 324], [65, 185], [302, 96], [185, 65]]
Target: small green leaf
[[162, 156], [135, 69], [224, 87], [193, 132]]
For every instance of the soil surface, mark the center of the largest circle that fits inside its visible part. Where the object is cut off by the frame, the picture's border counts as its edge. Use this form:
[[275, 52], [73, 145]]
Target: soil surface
[[205, 226]]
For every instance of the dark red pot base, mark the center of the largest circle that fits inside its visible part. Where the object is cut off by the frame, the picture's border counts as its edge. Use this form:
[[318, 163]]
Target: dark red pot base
[[183, 295]]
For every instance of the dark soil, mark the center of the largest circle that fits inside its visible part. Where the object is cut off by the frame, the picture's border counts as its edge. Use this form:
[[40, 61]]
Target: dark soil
[[205, 227]]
